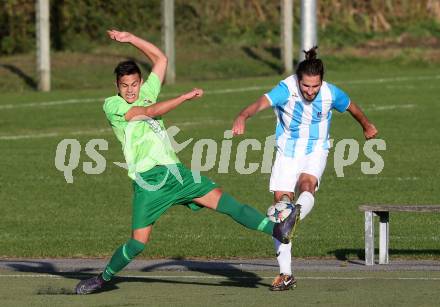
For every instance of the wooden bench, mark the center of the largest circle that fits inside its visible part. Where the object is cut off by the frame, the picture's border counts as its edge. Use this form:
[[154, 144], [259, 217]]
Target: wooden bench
[[383, 211]]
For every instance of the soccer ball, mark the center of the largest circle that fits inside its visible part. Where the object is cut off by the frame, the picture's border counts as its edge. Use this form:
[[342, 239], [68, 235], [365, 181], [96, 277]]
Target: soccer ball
[[279, 212]]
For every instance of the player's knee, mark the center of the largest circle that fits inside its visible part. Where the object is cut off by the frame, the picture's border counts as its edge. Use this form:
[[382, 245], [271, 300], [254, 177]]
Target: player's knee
[[142, 234], [307, 186]]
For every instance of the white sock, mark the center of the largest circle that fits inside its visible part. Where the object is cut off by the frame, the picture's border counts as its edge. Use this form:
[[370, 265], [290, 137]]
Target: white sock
[[284, 256], [306, 200]]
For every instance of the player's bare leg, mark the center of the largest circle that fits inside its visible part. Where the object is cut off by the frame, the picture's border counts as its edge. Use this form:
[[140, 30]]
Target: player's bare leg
[[210, 200]]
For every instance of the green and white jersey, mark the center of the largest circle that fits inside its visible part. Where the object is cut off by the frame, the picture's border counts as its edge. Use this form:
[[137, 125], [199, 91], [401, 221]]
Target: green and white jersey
[[145, 143]]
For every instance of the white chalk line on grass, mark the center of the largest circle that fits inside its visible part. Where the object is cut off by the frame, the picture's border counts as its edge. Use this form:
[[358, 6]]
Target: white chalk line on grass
[[93, 131], [390, 107], [395, 79], [50, 103], [181, 124], [54, 134], [221, 277], [375, 178], [210, 92]]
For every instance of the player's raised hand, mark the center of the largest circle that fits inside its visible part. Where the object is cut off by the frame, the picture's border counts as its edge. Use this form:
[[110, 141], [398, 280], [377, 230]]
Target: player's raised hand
[[239, 125], [120, 36], [370, 131], [194, 94]]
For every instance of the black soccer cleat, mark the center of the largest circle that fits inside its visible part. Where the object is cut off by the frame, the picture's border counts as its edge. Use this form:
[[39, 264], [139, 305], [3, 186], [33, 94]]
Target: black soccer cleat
[[284, 230], [283, 282], [90, 285]]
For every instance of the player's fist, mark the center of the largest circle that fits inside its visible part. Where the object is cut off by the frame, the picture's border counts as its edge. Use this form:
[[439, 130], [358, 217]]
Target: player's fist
[[195, 93], [370, 131], [123, 37], [239, 125]]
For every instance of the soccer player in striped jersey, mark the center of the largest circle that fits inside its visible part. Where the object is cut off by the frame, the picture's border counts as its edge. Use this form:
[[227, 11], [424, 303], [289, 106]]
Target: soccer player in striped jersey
[[303, 105]]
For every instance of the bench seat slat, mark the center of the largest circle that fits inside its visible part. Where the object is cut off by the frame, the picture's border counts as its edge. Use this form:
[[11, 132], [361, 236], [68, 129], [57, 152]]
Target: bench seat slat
[[399, 208]]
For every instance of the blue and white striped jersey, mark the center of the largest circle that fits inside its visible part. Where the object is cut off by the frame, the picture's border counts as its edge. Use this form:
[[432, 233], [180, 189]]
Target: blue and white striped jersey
[[303, 126]]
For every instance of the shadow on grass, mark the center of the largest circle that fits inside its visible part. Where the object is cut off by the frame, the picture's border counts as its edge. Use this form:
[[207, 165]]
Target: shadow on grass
[[348, 253], [17, 71], [254, 55], [233, 277]]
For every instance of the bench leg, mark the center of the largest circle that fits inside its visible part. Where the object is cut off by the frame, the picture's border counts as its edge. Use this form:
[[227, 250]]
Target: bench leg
[[369, 238], [383, 237]]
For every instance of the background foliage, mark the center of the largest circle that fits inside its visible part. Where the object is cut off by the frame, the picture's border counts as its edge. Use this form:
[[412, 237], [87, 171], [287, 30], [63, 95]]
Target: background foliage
[[77, 25]]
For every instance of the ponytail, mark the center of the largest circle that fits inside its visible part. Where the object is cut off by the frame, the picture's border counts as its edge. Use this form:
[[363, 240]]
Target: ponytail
[[311, 66]]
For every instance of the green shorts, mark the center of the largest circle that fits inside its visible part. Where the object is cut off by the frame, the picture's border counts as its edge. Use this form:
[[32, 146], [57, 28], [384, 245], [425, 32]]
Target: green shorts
[[158, 189]]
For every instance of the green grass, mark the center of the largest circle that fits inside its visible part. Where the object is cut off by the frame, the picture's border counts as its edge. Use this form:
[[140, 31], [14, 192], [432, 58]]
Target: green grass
[[228, 289], [93, 69], [43, 216]]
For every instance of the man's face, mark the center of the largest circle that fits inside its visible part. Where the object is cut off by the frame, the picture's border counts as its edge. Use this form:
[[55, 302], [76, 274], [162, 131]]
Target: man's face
[[129, 87], [310, 86]]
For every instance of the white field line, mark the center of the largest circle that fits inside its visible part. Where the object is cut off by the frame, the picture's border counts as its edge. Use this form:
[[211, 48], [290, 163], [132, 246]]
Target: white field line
[[386, 80], [49, 103], [211, 92], [93, 131], [177, 277], [375, 178], [390, 107], [53, 134]]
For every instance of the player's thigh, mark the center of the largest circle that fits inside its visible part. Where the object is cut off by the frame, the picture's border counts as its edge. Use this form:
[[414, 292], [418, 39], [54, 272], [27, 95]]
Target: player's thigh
[[210, 200]]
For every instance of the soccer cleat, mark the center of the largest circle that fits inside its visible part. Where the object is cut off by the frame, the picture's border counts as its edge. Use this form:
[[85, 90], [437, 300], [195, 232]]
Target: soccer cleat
[[90, 285], [284, 230], [283, 282]]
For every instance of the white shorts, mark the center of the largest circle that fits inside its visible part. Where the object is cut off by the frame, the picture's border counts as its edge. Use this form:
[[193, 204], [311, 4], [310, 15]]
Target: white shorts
[[286, 170]]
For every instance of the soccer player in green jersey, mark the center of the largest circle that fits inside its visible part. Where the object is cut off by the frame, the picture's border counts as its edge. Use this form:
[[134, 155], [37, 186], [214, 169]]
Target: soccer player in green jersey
[[159, 179]]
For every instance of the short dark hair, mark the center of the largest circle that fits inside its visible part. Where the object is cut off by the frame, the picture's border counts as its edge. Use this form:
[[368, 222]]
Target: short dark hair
[[127, 68], [311, 66]]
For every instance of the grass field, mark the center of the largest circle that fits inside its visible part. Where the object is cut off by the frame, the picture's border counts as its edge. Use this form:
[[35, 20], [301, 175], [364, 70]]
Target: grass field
[[227, 289], [43, 216]]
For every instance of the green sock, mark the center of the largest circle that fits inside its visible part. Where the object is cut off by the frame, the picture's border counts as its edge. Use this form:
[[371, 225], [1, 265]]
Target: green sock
[[122, 257], [244, 214]]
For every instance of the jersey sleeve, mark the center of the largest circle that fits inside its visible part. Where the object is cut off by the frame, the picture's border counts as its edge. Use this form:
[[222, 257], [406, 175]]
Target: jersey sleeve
[[151, 88], [279, 95], [115, 110], [341, 101]]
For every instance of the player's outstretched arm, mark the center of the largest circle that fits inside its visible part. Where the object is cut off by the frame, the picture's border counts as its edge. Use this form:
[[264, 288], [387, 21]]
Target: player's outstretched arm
[[239, 125], [370, 130], [156, 56], [161, 108]]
